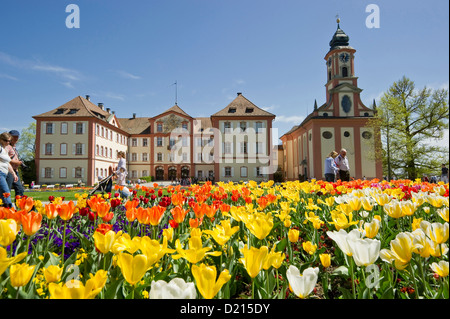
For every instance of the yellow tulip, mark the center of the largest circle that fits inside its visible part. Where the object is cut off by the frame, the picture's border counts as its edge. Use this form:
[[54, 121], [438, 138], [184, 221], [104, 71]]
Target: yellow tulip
[[423, 245], [5, 262], [416, 223], [153, 250], [75, 289], [309, 247], [125, 243], [195, 253], [366, 203], [340, 220], [408, 208], [273, 259], [133, 267], [53, 273], [401, 250], [293, 235], [440, 268], [260, 224], [104, 242], [20, 274], [393, 209], [8, 231], [372, 228], [382, 199], [253, 260], [168, 233], [443, 212], [325, 259], [223, 232], [205, 278], [355, 203], [437, 232], [436, 201]]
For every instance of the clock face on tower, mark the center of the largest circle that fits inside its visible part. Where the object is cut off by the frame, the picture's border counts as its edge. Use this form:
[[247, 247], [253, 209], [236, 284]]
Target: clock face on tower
[[344, 57]]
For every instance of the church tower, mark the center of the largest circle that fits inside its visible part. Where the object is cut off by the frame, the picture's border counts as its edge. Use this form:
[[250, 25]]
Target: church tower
[[342, 92], [340, 122]]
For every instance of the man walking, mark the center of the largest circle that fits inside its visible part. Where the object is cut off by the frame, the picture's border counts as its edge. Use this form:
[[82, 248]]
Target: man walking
[[15, 163], [342, 163]]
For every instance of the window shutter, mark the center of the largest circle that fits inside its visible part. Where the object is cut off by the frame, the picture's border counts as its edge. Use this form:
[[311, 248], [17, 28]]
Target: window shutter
[[82, 172], [84, 128], [52, 148], [232, 172], [82, 148], [223, 171], [74, 149], [73, 172], [52, 173], [43, 149], [74, 128], [43, 173]]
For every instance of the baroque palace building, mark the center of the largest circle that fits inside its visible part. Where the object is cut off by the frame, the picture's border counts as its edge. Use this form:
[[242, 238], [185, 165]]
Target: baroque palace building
[[338, 123], [79, 141]]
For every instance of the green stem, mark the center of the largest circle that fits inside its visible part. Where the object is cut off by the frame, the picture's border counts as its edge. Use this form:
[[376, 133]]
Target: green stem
[[352, 276], [413, 279], [64, 242]]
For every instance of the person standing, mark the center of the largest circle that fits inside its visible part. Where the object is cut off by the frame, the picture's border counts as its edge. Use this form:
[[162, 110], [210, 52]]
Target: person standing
[[121, 174], [5, 168], [444, 174], [342, 163], [330, 167], [15, 163]]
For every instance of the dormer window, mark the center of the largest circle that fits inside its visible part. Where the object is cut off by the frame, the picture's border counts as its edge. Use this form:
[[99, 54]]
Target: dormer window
[[73, 111], [232, 110], [59, 111], [249, 110]]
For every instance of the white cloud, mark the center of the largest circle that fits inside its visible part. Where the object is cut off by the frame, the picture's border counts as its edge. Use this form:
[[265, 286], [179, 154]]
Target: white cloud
[[65, 73], [128, 75], [9, 77]]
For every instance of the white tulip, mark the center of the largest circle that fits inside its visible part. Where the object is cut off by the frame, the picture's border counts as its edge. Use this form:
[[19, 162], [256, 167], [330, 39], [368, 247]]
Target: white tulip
[[302, 284], [364, 251], [341, 236], [177, 288]]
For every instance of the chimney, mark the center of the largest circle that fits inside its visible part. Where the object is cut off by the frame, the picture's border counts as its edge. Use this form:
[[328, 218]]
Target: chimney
[[108, 110], [100, 105], [113, 112], [88, 97], [134, 115], [239, 93]]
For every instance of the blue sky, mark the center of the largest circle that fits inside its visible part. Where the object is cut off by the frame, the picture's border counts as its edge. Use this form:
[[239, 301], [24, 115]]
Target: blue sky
[[127, 54]]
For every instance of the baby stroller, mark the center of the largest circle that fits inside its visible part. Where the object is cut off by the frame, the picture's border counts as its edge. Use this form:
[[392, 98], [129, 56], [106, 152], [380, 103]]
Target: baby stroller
[[104, 186]]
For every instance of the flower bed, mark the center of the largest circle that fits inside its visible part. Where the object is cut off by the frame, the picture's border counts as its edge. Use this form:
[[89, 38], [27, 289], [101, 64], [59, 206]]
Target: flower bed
[[359, 239]]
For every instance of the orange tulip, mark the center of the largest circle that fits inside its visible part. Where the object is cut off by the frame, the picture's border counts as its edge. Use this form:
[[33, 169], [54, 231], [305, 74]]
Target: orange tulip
[[131, 214], [178, 214], [262, 202], [6, 213], [131, 204], [25, 203], [195, 222], [92, 203], [201, 198], [143, 215], [177, 199], [31, 222], [156, 214], [51, 211], [103, 208], [6, 195], [66, 210]]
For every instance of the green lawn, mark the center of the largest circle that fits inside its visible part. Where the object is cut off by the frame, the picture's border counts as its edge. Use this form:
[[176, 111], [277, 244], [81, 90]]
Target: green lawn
[[43, 195]]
